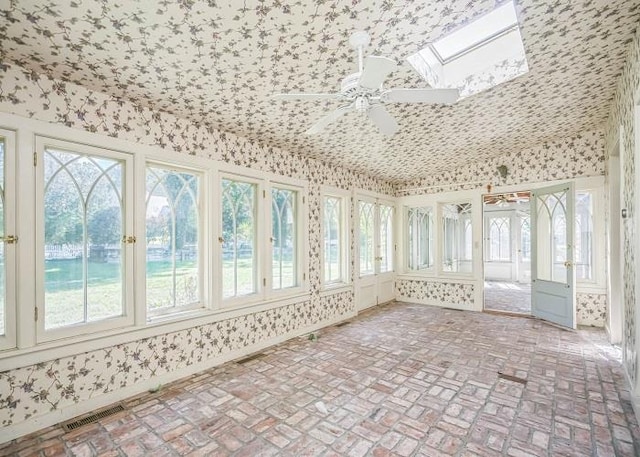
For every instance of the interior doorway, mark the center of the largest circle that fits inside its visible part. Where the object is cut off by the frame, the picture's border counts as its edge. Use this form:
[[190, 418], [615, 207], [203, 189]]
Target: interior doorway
[[507, 252]]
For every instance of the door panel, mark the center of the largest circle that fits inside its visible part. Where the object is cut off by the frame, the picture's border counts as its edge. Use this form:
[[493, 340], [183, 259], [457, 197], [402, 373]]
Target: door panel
[[376, 249], [552, 270]]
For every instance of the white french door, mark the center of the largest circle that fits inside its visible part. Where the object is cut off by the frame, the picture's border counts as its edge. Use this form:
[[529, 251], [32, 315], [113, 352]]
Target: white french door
[[552, 270], [376, 249]]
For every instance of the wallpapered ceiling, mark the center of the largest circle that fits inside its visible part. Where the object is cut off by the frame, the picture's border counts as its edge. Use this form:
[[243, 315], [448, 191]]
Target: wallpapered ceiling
[[217, 62]]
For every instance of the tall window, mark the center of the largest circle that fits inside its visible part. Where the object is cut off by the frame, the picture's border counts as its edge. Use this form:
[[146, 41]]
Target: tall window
[[457, 237], [499, 238], [334, 242], [583, 251], [386, 238], [172, 226], [83, 238], [420, 241], [284, 238], [239, 254], [366, 214]]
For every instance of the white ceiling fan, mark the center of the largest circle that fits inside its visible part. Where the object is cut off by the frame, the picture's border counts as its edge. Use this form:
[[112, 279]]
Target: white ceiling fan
[[362, 91]]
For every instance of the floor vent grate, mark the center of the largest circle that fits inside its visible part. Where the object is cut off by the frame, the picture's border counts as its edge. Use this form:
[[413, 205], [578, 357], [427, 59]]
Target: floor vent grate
[[250, 358], [91, 418], [508, 377]]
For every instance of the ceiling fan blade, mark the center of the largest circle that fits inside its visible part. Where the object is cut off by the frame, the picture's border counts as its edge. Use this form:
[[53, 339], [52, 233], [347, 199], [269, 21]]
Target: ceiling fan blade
[[442, 96], [328, 119], [382, 119], [375, 71], [305, 96]]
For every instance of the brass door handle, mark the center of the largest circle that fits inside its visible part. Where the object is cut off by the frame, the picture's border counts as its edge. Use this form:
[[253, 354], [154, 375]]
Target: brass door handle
[[9, 239], [568, 264]]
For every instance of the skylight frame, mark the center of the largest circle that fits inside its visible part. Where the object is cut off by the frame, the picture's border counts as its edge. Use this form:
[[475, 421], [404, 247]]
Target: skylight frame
[[510, 21], [472, 65]]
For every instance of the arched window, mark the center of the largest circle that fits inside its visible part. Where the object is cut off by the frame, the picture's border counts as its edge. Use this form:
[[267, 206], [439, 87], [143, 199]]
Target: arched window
[[500, 238], [83, 231], [239, 259], [172, 229]]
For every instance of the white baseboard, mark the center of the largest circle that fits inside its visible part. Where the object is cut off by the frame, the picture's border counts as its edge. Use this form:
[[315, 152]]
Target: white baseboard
[[460, 306], [55, 417]]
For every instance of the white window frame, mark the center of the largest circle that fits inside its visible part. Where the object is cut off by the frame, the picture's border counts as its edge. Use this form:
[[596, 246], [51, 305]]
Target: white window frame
[[598, 281], [440, 239], [301, 236], [408, 241], [127, 319], [499, 215], [203, 263], [8, 340], [28, 348], [344, 196], [264, 291], [260, 234]]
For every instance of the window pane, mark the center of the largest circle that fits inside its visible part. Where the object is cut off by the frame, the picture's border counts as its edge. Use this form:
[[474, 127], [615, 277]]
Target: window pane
[[457, 237], [500, 239], [283, 234], [525, 237], [420, 226], [239, 238], [386, 238], [333, 248], [365, 218], [83, 225], [3, 289], [584, 236], [551, 241], [172, 239]]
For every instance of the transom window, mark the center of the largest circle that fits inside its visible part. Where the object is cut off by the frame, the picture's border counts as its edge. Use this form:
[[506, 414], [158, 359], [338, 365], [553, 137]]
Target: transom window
[[173, 233]]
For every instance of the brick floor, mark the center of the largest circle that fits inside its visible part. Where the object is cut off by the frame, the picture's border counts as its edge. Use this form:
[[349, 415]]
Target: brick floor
[[400, 380], [507, 296]]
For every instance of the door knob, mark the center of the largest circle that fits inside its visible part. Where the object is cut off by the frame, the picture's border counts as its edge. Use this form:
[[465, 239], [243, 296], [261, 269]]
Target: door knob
[[568, 264]]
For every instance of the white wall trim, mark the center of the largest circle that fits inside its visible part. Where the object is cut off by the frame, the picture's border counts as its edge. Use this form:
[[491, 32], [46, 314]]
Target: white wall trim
[[439, 304]]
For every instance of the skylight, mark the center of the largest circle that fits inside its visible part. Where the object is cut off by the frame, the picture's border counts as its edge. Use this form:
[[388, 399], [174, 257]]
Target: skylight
[[478, 56]]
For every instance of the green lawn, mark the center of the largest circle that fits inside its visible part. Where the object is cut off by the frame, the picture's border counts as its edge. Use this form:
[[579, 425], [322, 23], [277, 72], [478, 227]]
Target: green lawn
[[64, 294]]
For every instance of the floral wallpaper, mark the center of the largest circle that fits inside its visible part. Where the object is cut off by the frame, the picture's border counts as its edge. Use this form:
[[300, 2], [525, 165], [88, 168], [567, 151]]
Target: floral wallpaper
[[448, 293], [591, 309], [621, 120], [217, 63], [578, 156], [35, 390]]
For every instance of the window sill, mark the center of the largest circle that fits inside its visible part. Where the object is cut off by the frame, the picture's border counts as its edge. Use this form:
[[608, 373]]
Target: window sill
[[17, 358], [463, 278]]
